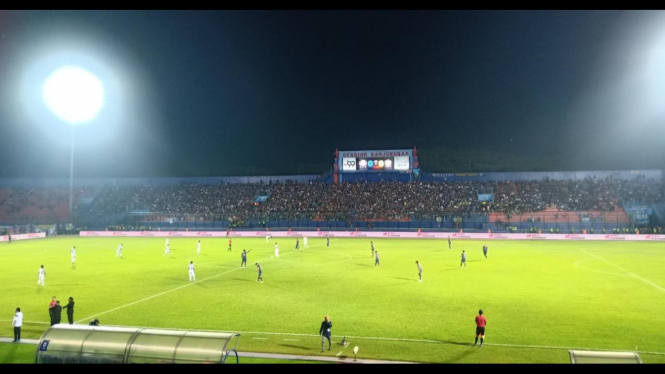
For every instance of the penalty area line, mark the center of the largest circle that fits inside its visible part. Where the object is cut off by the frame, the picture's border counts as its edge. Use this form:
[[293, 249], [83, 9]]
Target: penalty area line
[[619, 267]]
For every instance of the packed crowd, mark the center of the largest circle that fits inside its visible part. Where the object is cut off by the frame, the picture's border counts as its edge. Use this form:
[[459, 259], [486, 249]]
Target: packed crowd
[[640, 191], [190, 198], [382, 200], [536, 196]]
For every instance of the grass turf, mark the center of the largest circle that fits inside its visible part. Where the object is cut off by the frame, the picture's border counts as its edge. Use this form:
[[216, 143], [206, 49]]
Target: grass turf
[[540, 298]]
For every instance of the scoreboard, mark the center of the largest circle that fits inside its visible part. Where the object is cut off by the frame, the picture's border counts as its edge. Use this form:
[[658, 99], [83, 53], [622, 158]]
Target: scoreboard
[[400, 160]]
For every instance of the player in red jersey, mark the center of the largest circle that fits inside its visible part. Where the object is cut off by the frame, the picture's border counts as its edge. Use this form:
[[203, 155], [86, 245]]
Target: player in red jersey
[[481, 321]]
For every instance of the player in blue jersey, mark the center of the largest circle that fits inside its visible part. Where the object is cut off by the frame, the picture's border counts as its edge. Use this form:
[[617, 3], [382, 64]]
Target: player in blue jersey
[[372, 244], [243, 258], [485, 251], [260, 279], [450, 246]]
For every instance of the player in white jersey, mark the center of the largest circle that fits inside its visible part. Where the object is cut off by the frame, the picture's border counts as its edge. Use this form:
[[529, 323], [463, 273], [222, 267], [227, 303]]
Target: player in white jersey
[[192, 276], [305, 241], [167, 241], [276, 250], [42, 275], [268, 237], [167, 250], [118, 251], [198, 248], [72, 253]]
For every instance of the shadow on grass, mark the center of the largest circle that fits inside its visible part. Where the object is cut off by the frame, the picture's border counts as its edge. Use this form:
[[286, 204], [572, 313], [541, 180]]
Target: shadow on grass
[[363, 265], [409, 279], [454, 343], [303, 347], [244, 279], [397, 284], [461, 355], [184, 279]]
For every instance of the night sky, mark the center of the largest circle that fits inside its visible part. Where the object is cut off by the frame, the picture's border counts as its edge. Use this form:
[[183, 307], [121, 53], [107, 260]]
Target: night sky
[[212, 93]]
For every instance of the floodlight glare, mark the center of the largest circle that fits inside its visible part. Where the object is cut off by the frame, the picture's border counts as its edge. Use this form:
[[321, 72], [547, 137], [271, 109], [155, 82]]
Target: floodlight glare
[[73, 94]]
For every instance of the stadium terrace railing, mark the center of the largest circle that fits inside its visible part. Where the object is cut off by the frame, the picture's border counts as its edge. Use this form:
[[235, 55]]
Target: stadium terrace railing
[[544, 222]]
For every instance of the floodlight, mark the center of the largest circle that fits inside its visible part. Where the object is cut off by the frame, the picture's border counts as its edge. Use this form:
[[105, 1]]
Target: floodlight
[[76, 96], [73, 94]]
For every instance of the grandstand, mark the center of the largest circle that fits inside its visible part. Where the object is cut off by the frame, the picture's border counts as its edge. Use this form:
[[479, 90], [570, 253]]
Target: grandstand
[[353, 197]]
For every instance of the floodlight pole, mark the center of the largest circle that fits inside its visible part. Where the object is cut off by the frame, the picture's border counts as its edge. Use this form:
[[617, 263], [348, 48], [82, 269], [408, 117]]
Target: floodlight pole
[[71, 177]]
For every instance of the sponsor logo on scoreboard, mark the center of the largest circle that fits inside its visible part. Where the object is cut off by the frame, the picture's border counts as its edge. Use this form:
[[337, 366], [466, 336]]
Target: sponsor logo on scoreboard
[[348, 163], [402, 163]]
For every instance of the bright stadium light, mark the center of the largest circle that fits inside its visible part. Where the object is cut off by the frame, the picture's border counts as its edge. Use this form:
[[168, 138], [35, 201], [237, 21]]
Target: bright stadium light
[[73, 94], [76, 96]]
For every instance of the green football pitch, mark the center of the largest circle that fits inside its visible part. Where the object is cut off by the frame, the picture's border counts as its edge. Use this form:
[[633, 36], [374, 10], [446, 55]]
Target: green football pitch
[[540, 298]]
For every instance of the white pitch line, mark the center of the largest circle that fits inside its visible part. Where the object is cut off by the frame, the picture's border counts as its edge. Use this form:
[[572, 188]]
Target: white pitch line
[[155, 295], [340, 352], [35, 322], [292, 340], [403, 340], [597, 271], [162, 293], [633, 274], [379, 338]]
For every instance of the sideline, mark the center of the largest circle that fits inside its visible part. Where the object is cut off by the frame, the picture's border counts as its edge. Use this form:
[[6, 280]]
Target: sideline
[[241, 354]]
